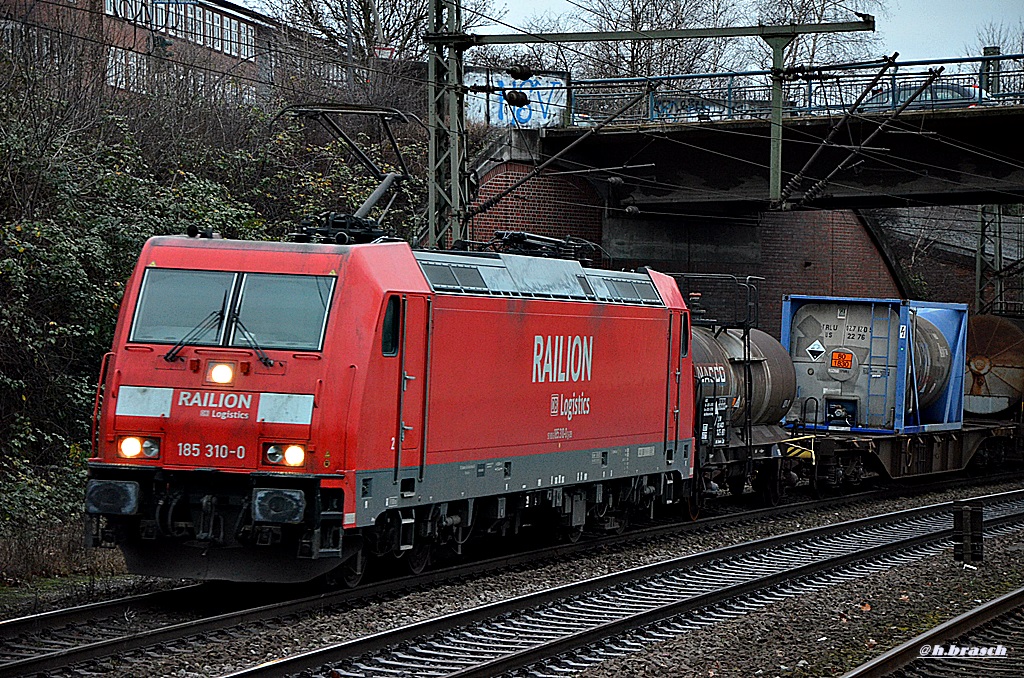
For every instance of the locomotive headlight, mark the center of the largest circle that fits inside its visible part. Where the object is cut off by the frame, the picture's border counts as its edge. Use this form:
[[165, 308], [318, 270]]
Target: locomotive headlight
[[275, 453], [130, 447], [133, 446], [285, 454], [151, 448], [294, 455], [220, 373]]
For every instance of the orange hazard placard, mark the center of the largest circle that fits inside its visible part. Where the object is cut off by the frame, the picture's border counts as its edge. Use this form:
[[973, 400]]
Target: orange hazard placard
[[842, 360]]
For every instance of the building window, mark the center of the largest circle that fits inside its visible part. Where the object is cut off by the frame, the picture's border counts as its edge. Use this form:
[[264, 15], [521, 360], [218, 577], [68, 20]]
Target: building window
[[228, 37], [217, 44], [115, 67], [243, 47], [126, 70]]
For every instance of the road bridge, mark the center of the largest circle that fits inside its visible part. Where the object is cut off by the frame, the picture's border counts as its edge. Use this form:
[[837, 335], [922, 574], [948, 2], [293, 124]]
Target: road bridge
[[926, 157], [703, 140], [680, 180]]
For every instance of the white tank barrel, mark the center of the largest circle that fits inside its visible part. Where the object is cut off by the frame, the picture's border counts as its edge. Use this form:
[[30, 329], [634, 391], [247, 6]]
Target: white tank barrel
[[718, 362]]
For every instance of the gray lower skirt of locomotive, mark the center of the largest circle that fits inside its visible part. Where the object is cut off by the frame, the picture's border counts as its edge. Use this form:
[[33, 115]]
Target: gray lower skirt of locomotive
[[379, 490]]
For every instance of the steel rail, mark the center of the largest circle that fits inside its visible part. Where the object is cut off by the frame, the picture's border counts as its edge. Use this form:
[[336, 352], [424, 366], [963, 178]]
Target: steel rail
[[574, 642], [42, 621], [951, 629], [387, 639], [49, 659]]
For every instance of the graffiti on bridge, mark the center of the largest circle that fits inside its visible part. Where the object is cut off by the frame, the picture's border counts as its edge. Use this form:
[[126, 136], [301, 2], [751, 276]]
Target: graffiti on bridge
[[547, 94]]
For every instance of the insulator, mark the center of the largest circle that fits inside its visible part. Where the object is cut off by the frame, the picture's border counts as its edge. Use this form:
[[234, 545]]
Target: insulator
[[521, 72], [517, 98]]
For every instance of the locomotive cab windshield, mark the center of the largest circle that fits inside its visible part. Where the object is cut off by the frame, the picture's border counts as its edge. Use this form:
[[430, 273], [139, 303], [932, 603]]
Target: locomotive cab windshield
[[267, 311]]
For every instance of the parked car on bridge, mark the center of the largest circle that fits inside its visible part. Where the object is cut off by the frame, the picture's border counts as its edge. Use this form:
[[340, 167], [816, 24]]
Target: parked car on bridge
[[938, 95]]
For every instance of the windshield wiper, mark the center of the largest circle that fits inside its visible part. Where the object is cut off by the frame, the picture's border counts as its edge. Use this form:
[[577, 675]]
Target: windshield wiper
[[251, 341], [205, 325]]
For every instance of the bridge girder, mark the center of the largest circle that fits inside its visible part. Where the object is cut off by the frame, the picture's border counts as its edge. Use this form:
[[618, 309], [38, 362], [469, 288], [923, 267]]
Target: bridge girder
[[932, 158]]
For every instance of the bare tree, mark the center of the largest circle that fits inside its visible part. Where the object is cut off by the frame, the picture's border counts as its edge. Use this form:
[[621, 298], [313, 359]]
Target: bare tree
[[634, 58], [398, 25], [664, 57], [1008, 37], [814, 48]]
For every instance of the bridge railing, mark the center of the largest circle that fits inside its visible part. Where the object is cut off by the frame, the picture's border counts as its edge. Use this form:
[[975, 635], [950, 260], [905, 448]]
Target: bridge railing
[[703, 97]]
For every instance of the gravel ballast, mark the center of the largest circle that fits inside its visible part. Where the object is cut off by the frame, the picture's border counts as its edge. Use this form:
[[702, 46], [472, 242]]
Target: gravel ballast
[[836, 629], [782, 636]]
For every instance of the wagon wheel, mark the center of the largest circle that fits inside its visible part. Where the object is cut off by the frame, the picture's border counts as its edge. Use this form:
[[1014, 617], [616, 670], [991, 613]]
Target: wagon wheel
[[767, 483], [736, 485], [815, 484]]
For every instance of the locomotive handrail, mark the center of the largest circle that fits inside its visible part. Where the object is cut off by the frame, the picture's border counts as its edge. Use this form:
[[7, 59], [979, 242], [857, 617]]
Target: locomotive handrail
[[94, 437]]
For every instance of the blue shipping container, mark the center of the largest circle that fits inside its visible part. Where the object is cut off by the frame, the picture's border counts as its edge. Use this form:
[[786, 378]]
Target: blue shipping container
[[876, 365]]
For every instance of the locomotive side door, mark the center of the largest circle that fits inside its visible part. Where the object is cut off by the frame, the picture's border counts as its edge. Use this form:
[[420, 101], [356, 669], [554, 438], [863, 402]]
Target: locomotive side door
[[410, 435], [674, 377]]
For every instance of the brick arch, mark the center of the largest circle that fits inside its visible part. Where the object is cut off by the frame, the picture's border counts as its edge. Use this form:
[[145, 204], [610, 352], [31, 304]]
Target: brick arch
[[555, 205], [821, 253]]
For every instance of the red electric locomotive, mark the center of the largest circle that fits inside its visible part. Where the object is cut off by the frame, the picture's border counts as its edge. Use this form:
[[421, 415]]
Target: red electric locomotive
[[279, 411]]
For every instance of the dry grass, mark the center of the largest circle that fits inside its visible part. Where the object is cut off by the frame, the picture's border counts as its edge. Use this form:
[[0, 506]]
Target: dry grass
[[59, 550]]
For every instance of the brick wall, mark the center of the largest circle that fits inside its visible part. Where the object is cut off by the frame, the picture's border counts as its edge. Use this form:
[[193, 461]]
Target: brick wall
[[822, 253], [936, 274], [551, 205]]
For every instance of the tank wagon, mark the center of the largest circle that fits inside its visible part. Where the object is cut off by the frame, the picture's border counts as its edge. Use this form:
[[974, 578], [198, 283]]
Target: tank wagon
[[994, 378], [876, 365], [273, 411], [880, 386]]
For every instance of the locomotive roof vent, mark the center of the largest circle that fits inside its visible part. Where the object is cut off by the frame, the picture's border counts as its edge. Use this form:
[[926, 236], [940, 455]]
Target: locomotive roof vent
[[518, 276]]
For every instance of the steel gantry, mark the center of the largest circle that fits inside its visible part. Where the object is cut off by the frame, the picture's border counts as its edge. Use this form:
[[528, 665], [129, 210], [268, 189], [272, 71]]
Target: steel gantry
[[448, 176]]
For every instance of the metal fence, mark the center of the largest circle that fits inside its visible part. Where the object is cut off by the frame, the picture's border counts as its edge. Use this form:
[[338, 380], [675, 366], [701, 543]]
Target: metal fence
[[963, 83]]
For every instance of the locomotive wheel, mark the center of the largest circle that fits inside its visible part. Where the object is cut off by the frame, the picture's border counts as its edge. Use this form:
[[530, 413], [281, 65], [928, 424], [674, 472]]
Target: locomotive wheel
[[418, 558], [572, 534], [351, 574], [693, 506]]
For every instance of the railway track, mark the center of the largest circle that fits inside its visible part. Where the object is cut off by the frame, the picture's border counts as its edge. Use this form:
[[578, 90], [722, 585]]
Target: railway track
[[662, 599], [967, 645], [53, 641], [49, 640]]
